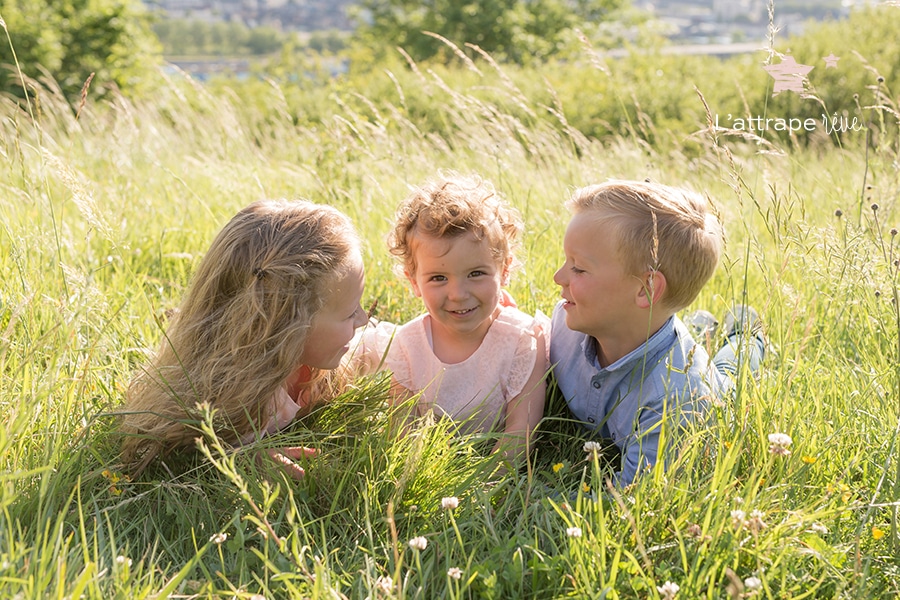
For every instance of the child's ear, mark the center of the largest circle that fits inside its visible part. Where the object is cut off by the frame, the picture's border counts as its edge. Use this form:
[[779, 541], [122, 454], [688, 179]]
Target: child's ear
[[504, 271], [653, 286], [413, 284]]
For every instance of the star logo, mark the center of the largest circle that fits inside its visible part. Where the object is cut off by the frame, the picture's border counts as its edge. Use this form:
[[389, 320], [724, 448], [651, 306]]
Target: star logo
[[830, 60], [788, 75]]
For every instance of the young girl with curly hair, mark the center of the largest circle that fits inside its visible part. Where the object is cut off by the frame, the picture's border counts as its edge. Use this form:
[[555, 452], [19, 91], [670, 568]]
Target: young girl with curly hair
[[268, 315], [473, 356]]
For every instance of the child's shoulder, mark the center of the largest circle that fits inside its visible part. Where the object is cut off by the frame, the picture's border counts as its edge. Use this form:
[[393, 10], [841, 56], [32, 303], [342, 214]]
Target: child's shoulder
[[414, 323], [527, 333], [512, 318]]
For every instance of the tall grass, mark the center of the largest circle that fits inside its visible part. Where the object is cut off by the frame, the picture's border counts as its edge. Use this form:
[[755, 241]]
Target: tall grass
[[106, 215]]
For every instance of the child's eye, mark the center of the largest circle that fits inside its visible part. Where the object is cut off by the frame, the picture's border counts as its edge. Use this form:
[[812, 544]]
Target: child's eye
[[576, 270], [477, 273], [437, 278]]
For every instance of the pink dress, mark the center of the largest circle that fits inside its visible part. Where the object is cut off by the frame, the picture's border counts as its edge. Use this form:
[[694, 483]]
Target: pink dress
[[281, 411], [475, 391]]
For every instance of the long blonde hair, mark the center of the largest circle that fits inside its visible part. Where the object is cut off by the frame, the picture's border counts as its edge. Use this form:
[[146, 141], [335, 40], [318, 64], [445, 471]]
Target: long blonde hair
[[240, 328]]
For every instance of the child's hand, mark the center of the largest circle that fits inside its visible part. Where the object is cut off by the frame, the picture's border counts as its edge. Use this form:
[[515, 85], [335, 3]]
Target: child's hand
[[285, 457]]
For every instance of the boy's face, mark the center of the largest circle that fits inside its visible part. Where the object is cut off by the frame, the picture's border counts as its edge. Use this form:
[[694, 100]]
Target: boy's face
[[600, 294]]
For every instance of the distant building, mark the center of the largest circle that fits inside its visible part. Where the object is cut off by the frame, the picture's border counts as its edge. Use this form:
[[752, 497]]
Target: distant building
[[737, 21], [752, 11]]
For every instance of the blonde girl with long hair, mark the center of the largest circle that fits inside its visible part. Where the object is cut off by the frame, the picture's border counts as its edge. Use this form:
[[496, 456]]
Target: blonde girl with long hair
[[268, 315]]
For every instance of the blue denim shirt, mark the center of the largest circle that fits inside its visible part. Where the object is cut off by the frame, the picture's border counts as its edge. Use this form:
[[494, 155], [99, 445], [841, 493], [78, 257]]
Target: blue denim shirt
[[668, 375]]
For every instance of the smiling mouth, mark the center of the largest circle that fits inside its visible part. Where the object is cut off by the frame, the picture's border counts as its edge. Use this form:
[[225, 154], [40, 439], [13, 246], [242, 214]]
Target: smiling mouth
[[462, 313]]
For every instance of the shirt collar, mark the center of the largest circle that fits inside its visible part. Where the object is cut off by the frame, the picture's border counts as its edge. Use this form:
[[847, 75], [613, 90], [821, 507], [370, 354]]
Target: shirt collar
[[660, 339]]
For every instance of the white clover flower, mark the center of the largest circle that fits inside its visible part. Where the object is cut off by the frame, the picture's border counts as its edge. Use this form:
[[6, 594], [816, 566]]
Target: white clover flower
[[738, 518], [592, 447], [449, 503], [124, 560], [818, 528], [454, 573], [384, 584], [753, 583], [418, 543], [573, 532], [779, 444], [218, 538], [668, 590], [755, 522]]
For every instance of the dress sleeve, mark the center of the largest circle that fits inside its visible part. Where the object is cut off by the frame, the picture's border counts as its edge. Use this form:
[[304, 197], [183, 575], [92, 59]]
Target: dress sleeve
[[369, 348], [281, 410], [401, 356], [525, 354]]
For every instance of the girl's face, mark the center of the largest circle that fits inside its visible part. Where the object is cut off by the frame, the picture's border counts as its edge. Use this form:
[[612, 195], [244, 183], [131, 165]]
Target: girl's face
[[334, 325], [459, 281]]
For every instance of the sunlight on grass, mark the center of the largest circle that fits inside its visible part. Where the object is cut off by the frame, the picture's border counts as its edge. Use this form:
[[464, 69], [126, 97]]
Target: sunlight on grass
[[105, 217]]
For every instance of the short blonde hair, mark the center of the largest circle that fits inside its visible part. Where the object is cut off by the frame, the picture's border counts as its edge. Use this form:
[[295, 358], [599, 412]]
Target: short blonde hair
[[240, 327], [658, 228], [449, 206]]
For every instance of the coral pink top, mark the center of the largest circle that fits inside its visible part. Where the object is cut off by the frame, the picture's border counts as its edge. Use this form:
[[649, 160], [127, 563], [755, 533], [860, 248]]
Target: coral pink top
[[474, 391], [281, 409]]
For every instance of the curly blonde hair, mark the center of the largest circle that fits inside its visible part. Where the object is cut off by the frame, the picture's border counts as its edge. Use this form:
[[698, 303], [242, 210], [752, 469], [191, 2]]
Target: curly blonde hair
[[240, 328], [449, 206], [658, 228]]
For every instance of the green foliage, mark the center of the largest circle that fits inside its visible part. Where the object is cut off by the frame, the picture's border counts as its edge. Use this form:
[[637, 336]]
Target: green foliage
[[512, 30], [105, 217], [70, 39], [868, 50], [183, 37]]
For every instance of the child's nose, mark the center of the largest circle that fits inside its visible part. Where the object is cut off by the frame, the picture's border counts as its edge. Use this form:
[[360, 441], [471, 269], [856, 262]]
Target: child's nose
[[360, 318], [457, 290], [558, 276]]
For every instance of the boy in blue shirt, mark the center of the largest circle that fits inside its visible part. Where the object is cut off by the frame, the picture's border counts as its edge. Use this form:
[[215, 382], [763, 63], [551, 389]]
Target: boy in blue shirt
[[636, 253]]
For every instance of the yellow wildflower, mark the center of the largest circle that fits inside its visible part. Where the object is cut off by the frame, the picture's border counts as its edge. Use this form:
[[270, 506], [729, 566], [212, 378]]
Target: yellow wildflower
[[557, 467], [877, 533], [114, 479], [846, 494], [810, 460]]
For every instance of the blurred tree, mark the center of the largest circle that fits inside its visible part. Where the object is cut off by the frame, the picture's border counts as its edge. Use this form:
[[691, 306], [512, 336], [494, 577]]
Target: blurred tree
[[264, 40], [186, 37], [198, 33], [71, 39], [330, 41], [515, 30]]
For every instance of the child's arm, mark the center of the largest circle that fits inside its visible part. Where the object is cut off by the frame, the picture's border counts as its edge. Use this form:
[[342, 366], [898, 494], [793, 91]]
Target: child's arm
[[285, 457], [642, 448], [525, 411]]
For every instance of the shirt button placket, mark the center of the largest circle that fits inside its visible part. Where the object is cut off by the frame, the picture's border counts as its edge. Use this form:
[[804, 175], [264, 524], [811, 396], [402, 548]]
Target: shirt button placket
[[597, 384]]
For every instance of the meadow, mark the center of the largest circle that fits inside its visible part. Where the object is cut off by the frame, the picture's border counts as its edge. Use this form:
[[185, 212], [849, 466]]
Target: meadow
[[107, 207]]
